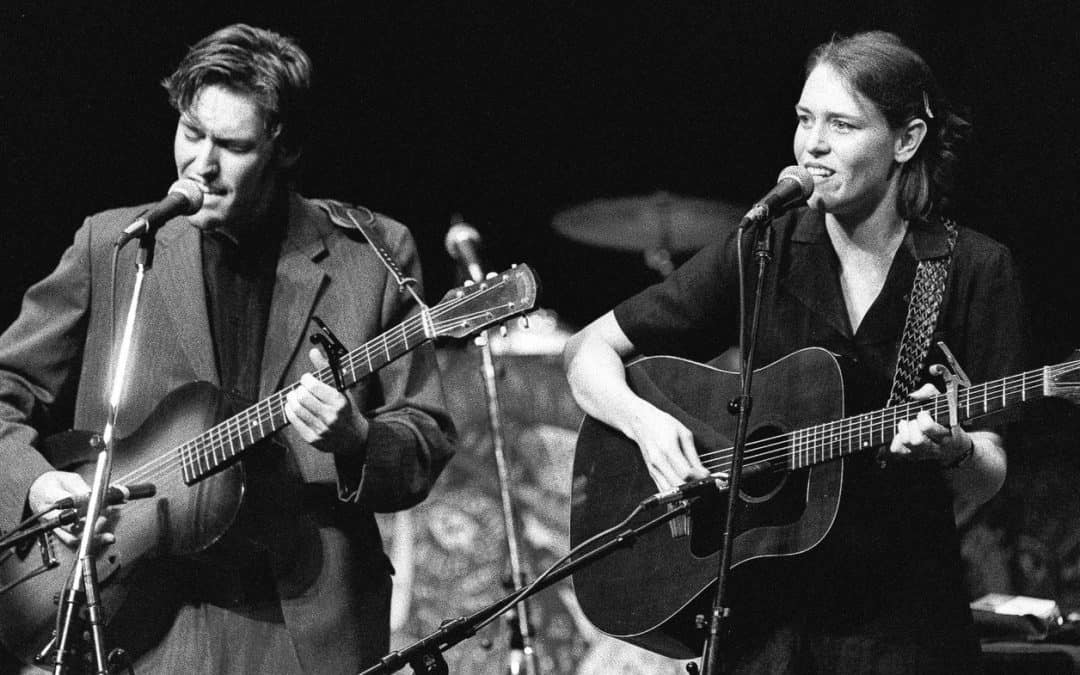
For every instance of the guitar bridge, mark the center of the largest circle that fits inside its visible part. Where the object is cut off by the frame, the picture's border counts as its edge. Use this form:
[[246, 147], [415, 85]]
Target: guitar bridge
[[679, 525]]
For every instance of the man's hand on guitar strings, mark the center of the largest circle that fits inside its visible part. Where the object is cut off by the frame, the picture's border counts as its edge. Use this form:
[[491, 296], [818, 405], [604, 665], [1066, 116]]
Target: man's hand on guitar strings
[[324, 416], [923, 439], [667, 447], [52, 486]]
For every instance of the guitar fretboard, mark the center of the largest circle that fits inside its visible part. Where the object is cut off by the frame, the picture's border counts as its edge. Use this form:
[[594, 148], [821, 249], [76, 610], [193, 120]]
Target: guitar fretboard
[[220, 444], [461, 313], [833, 440]]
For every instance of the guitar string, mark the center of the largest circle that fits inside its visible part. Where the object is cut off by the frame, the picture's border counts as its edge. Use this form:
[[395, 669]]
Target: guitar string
[[211, 440], [821, 440], [369, 353], [274, 404], [265, 411], [228, 428], [779, 446], [841, 427], [785, 446], [782, 445]]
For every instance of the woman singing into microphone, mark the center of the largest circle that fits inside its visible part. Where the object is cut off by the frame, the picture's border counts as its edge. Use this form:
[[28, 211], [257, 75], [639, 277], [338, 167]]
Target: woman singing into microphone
[[883, 592]]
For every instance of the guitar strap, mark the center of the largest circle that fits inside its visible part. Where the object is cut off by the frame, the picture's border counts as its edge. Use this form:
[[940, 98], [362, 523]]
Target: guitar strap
[[927, 292], [342, 215]]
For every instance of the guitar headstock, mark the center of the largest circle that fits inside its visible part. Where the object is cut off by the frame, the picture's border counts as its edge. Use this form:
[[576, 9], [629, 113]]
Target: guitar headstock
[[469, 309]]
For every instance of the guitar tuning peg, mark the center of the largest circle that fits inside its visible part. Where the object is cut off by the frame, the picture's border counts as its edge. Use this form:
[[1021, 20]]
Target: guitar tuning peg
[[491, 275], [468, 282], [502, 330], [524, 321]]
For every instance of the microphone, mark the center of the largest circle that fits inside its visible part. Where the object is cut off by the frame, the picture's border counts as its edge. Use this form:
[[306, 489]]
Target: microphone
[[680, 492], [794, 186], [462, 242], [116, 494], [184, 198]]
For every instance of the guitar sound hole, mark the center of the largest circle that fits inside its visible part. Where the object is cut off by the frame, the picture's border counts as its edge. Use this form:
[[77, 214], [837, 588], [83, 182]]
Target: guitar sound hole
[[763, 488], [760, 482]]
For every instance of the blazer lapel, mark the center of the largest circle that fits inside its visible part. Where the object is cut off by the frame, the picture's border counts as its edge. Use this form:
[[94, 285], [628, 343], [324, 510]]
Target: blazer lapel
[[296, 288], [183, 290]]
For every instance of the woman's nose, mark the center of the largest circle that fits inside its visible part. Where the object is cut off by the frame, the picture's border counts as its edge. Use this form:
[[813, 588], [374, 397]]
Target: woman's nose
[[816, 140]]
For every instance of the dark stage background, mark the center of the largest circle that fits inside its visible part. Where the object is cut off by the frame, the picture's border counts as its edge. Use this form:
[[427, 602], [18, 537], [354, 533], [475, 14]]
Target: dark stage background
[[510, 112]]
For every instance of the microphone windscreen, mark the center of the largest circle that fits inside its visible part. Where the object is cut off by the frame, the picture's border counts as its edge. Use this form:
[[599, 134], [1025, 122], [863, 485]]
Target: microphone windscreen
[[191, 191], [800, 175]]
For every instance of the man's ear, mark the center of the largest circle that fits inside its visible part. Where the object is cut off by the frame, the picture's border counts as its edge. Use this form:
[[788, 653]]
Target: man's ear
[[909, 139], [287, 156]]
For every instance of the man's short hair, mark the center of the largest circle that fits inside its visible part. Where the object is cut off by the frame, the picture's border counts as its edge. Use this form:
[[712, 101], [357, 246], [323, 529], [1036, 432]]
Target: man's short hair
[[271, 68]]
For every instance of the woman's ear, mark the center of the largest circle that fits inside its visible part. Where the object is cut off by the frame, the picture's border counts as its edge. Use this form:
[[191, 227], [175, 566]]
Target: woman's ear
[[909, 139]]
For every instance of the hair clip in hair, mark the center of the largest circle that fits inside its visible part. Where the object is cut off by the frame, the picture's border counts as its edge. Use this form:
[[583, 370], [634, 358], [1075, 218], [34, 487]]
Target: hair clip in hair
[[926, 105]]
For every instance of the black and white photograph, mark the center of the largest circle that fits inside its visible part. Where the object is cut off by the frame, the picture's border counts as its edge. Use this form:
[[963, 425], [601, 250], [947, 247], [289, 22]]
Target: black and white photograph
[[547, 338]]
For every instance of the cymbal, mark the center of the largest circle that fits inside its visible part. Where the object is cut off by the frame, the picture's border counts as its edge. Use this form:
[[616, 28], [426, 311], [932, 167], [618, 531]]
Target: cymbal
[[658, 221]]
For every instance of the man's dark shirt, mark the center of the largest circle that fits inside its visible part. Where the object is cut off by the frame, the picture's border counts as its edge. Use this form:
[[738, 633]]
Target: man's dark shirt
[[239, 286]]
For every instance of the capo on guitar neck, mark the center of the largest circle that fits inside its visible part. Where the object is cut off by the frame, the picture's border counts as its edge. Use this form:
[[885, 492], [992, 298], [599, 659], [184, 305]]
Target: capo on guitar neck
[[954, 377], [333, 348]]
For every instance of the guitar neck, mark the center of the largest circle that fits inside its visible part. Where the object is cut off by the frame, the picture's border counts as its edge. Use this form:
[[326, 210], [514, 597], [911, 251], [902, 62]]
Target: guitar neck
[[833, 440], [462, 312], [223, 442]]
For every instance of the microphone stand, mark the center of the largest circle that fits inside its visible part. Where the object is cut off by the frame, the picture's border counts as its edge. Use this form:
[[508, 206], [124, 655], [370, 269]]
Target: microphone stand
[[721, 612], [82, 589], [522, 658], [425, 655]]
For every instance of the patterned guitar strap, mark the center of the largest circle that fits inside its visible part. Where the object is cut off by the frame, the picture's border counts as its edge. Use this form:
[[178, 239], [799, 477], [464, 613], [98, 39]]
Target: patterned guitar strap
[[927, 292]]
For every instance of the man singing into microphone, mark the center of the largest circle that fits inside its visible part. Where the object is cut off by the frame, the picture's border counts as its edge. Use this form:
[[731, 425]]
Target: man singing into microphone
[[299, 584], [883, 591]]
